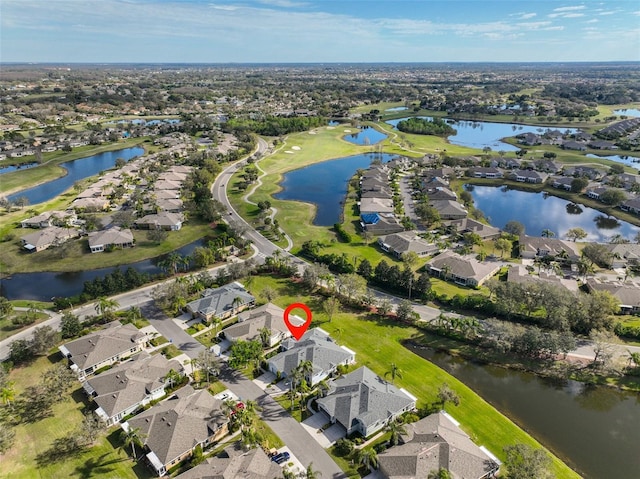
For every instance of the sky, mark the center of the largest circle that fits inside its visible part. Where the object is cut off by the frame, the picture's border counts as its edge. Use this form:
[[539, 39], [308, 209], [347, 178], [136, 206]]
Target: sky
[[318, 31]]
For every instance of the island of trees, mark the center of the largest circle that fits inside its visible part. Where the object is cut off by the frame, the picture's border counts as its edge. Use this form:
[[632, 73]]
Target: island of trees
[[422, 126]]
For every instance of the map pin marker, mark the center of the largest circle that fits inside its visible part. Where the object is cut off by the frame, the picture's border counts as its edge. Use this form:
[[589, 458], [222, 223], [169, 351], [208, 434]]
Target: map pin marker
[[297, 330]]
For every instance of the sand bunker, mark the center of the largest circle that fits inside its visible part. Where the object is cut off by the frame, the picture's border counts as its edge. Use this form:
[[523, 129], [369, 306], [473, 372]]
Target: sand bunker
[[312, 132], [290, 152], [296, 148], [347, 131]]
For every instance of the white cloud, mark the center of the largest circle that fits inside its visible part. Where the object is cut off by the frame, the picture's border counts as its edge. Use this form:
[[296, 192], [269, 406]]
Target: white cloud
[[593, 20], [282, 3], [569, 9], [573, 15], [526, 16]]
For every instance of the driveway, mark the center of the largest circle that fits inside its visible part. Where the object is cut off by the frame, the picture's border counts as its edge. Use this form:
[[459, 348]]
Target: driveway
[[328, 437], [170, 330]]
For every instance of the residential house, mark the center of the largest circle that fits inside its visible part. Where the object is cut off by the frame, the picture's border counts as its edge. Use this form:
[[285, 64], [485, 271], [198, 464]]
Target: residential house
[[50, 236], [519, 274], [222, 302], [485, 172], [439, 193], [534, 246], [171, 205], [364, 403], [376, 205], [464, 270], [627, 293], [468, 225], [163, 220], [449, 210], [114, 237], [315, 346], [90, 204], [624, 254], [122, 390], [398, 244], [380, 224], [268, 316], [105, 347], [172, 429], [235, 463], [436, 442], [573, 145], [562, 182], [632, 205], [583, 171], [528, 176], [548, 166], [602, 145], [596, 192], [49, 218]]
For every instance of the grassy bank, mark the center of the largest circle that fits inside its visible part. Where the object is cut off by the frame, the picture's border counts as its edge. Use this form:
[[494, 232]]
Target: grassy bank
[[378, 342], [49, 169]]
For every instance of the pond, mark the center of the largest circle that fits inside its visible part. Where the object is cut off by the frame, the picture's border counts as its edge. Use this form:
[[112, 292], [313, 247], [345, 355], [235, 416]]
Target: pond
[[627, 160], [46, 285], [76, 170], [628, 112], [481, 134], [325, 184], [21, 166], [366, 136], [539, 211], [596, 430], [397, 108]]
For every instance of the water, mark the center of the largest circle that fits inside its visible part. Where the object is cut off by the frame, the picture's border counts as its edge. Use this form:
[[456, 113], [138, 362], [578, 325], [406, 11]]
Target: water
[[76, 170], [397, 108], [325, 184], [628, 112], [481, 134], [21, 166], [539, 211], [46, 285], [596, 430], [367, 136], [627, 160]]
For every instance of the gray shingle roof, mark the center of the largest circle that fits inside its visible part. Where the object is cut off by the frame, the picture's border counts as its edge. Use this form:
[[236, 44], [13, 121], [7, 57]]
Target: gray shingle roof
[[236, 464], [218, 301], [178, 424], [251, 322], [363, 396]]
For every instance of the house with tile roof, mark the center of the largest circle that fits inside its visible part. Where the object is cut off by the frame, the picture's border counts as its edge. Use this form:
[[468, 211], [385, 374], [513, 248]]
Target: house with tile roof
[[114, 237], [172, 429], [315, 346], [268, 316], [49, 218], [235, 463], [538, 246], [469, 225], [433, 443], [222, 302], [364, 403], [113, 343], [44, 238], [164, 220], [380, 224], [127, 387], [403, 242], [464, 270]]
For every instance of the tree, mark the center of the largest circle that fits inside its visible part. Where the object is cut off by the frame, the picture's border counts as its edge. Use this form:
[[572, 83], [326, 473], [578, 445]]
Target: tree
[[104, 306], [502, 245], [404, 311], [612, 197], [396, 428], [19, 351], [428, 214], [157, 235], [312, 275], [7, 437], [598, 254], [132, 437], [352, 285], [265, 337], [311, 473], [207, 363], [365, 269], [6, 308], [7, 392], [441, 473], [70, 326], [524, 462], [330, 306], [394, 371], [44, 338], [367, 457], [384, 307], [547, 233], [268, 293], [576, 234], [603, 347], [90, 429], [514, 228], [446, 394], [579, 184]]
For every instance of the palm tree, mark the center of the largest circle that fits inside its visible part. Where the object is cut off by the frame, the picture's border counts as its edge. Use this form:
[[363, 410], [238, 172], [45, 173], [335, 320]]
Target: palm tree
[[105, 305], [547, 233], [306, 368], [585, 267], [368, 457], [7, 393], [265, 337], [322, 388], [394, 372], [217, 322], [134, 314], [445, 271], [131, 437], [396, 428], [310, 473], [236, 303]]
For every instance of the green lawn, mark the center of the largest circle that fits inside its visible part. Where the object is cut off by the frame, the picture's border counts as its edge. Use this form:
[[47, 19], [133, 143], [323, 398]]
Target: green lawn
[[30, 456], [7, 328], [377, 343]]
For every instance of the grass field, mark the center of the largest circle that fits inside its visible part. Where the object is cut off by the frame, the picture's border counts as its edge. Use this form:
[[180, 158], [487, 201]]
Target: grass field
[[378, 342], [7, 328], [31, 455]]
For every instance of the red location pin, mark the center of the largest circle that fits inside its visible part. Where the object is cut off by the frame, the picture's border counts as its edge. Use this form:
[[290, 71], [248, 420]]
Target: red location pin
[[297, 330]]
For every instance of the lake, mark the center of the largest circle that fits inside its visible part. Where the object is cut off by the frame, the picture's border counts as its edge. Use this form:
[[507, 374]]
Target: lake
[[397, 108], [481, 134], [325, 184], [76, 170], [627, 160], [539, 211], [367, 136], [46, 285], [628, 112], [596, 430], [21, 166]]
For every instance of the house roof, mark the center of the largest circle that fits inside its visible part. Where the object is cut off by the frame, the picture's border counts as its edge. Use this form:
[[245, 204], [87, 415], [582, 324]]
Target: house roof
[[94, 348], [251, 322], [48, 236], [468, 225], [448, 207], [628, 251], [464, 266], [376, 205], [519, 274], [406, 241], [164, 218], [177, 425], [47, 215], [129, 383], [535, 244], [433, 443], [627, 293], [112, 236], [363, 396], [235, 463], [218, 301], [315, 346]]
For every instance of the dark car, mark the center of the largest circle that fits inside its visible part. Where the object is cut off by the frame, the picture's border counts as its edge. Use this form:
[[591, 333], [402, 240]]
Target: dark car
[[280, 458]]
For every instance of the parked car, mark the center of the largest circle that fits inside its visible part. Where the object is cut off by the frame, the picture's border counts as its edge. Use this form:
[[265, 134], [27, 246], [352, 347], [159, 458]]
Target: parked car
[[280, 458]]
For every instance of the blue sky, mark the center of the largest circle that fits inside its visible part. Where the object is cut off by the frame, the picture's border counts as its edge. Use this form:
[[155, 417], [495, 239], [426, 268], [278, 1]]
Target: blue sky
[[221, 31]]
